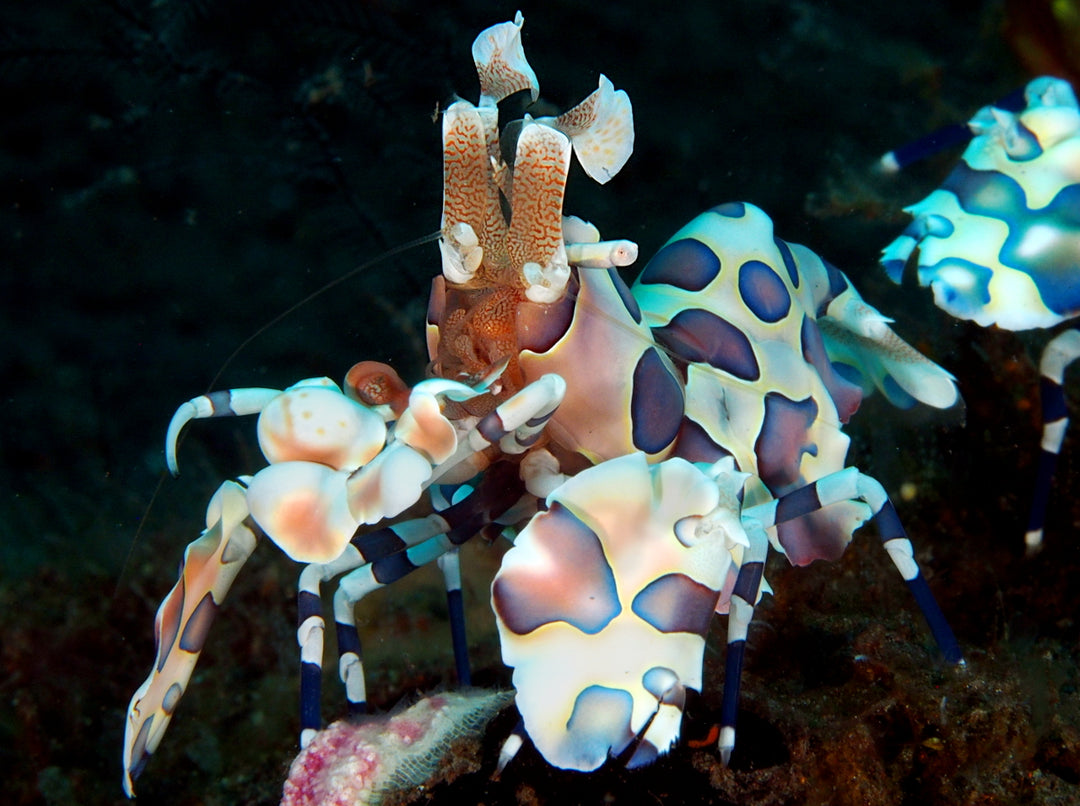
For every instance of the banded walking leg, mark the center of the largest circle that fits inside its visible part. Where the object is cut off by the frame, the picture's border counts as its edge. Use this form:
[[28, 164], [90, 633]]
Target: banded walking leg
[[744, 596], [385, 555], [450, 565], [850, 485], [845, 485], [948, 136], [310, 631], [1062, 350], [362, 550], [498, 490]]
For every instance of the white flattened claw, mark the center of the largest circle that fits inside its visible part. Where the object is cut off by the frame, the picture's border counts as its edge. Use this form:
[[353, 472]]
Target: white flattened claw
[[541, 164], [602, 610], [320, 424], [424, 427], [389, 485], [501, 64], [890, 364], [602, 130], [470, 194], [579, 231], [303, 508]]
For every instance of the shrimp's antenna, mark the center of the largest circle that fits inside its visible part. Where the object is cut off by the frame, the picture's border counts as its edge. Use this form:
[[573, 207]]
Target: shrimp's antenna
[[397, 250]]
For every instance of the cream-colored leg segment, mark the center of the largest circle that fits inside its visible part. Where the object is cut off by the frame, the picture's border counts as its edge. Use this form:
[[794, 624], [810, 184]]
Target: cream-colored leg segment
[[211, 563]]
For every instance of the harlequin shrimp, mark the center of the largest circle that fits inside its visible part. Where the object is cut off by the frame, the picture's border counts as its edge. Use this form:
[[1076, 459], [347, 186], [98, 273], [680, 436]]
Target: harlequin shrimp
[[999, 243], [643, 448]]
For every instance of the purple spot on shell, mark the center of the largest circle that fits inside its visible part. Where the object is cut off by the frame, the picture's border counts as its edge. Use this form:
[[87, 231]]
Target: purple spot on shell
[[813, 537], [763, 292], [846, 395], [783, 440], [172, 610], [789, 260], [686, 263], [656, 405], [838, 283], [676, 603], [198, 624], [623, 290], [695, 445], [540, 326], [699, 335], [599, 725], [571, 580], [138, 748], [730, 209], [171, 698]]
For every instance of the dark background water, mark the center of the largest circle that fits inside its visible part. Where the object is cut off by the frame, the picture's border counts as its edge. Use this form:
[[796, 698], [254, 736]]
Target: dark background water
[[174, 175]]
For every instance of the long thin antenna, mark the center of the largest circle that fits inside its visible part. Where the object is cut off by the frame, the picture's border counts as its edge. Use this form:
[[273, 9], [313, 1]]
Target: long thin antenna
[[397, 250]]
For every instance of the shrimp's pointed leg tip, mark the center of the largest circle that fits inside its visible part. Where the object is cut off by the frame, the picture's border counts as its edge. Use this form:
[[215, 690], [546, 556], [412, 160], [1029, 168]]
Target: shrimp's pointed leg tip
[[726, 744], [509, 749]]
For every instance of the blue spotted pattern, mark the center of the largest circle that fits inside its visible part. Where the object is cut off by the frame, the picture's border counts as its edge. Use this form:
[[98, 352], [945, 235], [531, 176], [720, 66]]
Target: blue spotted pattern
[[763, 291], [623, 290], [582, 592], [600, 722], [676, 603], [656, 406], [783, 440], [1053, 269], [686, 263], [789, 260], [697, 335], [730, 209]]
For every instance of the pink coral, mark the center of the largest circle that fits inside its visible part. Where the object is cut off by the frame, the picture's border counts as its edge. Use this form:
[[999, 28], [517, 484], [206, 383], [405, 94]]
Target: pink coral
[[339, 767], [357, 763]]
